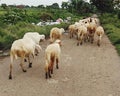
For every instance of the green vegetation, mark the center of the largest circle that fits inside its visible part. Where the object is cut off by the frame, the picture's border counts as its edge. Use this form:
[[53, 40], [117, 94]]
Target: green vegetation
[[112, 29], [15, 22], [13, 32]]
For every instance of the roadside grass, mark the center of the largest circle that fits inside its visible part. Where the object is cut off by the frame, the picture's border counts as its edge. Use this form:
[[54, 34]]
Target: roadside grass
[[13, 32], [111, 25]]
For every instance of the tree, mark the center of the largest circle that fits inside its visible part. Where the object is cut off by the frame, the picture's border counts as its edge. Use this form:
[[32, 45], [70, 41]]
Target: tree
[[117, 4], [41, 6], [46, 16], [80, 6], [55, 6], [64, 5], [76, 4], [4, 6], [103, 5]]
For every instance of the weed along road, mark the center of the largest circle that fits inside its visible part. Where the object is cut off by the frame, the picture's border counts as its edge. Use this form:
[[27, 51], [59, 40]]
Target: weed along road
[[86, 70]]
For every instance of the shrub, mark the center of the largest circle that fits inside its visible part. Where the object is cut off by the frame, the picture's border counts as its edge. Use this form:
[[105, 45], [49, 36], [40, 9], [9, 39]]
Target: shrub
[[13, 32], [112, 29], [46, 16], [118, 15], [118, 48]]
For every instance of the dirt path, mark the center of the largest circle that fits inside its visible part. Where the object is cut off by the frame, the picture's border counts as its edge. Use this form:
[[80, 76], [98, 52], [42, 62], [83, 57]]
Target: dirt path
[[86, 70]]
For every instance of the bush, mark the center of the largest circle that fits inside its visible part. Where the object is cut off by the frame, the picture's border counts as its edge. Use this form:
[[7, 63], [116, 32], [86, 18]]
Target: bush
[[112, 29], [46, 16], [119, 15], [118, 48], [17, 31], [6, 41]]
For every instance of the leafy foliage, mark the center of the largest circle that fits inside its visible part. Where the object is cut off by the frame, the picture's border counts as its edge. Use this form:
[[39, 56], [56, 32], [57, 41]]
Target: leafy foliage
[[13, 16], [103, 5], [46, 16], [80, 6], [16, 31], [112, 29], [16, 22], [119, 15], [64, 5]]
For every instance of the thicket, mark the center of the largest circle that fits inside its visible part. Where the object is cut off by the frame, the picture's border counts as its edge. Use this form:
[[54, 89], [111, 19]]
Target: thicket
[[16, 22], [13, 32], [111, 25]]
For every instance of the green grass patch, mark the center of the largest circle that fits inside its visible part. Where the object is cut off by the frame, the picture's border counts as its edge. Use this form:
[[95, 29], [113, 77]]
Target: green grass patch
[[17, 31], [111, 25], [118, 48]]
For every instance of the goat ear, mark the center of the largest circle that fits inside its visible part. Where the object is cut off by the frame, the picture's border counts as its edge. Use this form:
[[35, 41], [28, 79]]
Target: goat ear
[[60, 43], [77, 29], [51, 42], [90, 19]]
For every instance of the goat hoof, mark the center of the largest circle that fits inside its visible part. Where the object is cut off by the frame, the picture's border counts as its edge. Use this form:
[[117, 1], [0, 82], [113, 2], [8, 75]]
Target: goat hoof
[[77, 44], [10, 77], [57, 67], [80, 43], [30, 65], [25, 60], [98, 45], [50, 76], [51, 72], [24, 70], [46, 76]]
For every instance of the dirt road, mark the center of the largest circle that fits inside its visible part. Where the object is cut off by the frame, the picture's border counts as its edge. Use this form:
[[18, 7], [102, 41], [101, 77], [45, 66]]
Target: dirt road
[[86, 70]]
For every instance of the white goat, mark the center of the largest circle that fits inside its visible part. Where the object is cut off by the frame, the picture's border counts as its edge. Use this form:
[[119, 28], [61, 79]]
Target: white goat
[[52, 54], [56, 33], [22, 48]]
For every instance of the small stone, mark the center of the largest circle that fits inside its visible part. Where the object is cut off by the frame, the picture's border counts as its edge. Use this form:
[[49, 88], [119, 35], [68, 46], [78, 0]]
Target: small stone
[[65, 79], [110, 95], [52, 81], [1, 51]]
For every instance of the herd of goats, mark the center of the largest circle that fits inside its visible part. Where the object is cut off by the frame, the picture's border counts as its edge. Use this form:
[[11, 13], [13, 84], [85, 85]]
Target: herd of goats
[[84, 30]]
